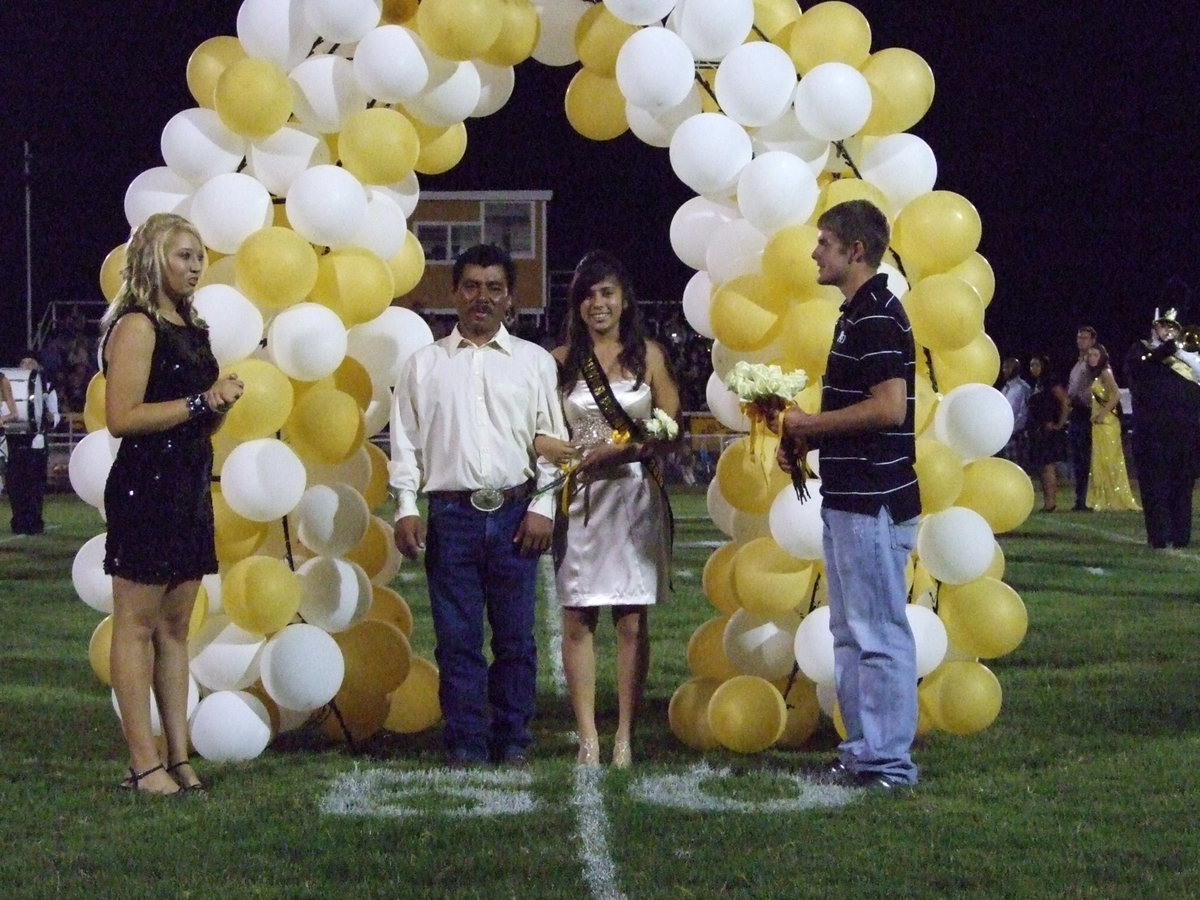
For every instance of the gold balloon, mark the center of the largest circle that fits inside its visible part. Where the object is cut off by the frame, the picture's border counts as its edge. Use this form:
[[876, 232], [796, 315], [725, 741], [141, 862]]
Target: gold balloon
[[94, 416], [999, 490], [996, 569], [397, 12], [772, 16], [519, 30], [389, 606], [787, 259], [599, 37], [112, 272], [747, 714], [260, 594], [353, 378], [373, 551], [353, 282], [841, 190], [927, 399], [963, 697], [748, 475], [377, 655], [939, 475], [441, 148], [100, 648], [746, 312], [378, 145], [265, 404], [414, 705], [706, 651], [376, 488], [945, 312], [275, 267], [830, 32], [407, 266], [325, 426], [976, 271], [362, 714], [806, 334], [803, 714], [236, 537], [770, 581], [717, 579], [207, 62], [595, 105], [936, 231], [458, 29], [902, 87], [253, 97], [979, 361], [687, 713], [984, 617]]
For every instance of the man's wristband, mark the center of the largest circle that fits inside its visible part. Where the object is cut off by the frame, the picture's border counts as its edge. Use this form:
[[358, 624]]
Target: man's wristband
[[196, 405]]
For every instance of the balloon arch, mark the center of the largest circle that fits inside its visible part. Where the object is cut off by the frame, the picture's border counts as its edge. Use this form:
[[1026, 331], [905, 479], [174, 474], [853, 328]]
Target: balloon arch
[[299, 167]]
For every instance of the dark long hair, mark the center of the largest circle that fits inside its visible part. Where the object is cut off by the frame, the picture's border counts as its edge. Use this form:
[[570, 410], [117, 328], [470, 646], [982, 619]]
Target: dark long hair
[[1094, 371], [595, 267]]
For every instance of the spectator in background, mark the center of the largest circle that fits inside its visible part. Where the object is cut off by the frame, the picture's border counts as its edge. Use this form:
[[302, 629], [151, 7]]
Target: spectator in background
[[75, 389], [1016, 391], [1079, 427], [1049, 411]]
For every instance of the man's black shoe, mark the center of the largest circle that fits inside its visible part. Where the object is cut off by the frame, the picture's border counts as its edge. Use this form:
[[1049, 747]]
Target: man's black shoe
[[835, 772], [877, 781]]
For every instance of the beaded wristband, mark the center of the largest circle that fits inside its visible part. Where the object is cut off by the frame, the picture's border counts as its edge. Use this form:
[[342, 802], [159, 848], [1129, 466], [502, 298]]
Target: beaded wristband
[[196, 405]]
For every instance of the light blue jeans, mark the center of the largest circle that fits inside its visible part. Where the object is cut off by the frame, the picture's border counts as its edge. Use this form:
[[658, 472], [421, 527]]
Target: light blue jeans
[[875, 663]]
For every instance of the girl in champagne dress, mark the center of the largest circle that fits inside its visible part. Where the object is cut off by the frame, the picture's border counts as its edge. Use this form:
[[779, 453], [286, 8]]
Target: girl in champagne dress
[[612, 547], [1108, 483]]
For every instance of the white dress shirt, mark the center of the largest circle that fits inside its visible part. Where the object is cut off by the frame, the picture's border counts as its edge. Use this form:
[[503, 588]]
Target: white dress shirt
[[464, 417]]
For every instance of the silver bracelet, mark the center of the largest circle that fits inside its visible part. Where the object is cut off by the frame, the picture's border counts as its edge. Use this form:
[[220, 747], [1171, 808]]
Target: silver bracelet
[[196, 405]]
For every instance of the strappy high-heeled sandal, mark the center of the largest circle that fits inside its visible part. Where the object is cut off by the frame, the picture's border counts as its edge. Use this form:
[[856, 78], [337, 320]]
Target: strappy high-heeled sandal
[[134, 779], [198, 787]]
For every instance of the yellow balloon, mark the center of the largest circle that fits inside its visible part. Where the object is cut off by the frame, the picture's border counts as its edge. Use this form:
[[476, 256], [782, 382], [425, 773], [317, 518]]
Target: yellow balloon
[[260, 594], [706, 651], [353, 282], [803, 714], [389, 606], [275, 267], [265, 404], [325, 426], [748, 476], [414, 705], [841, 190], [599, 37], [964, 697], [595, 105], [927, 398], [377, 656], [441, 148], [199, 611], [830, 32], [112, 272], [770, 581], [236, 537], [936, 231], [100, 648], [378, 145], [376, 489], [207, 62], [945, 312], [747, 714], [806, 334], [999, 490], [407, 266], [94, 416], [939, 474], [996, 569], [746, 312], [984, 617], [977, 272], [717, 579], [397, 12], [519, 30], [253, 97], [458, 29], [373, 551], [353, 378], [902, 87], [787, 259], [772, 16], [362, 714], [687, 713], [979, 361]]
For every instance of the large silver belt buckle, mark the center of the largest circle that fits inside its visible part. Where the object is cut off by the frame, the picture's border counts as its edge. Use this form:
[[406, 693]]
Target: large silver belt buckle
[[487, 499]]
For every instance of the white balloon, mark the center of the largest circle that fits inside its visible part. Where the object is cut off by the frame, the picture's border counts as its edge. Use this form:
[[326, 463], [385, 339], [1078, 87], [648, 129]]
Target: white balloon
[[378, 411], [735, 248], [725, 405], [89, 464], [229, 208], [405, 192], [797, 526], [724, 359], [693, 225], [355, 471], [556, 36], [814, 646], [332, 519], [902, 166], [326, 92], [755, 83], [833, 101], [708, 153], [235, 325], [327, 205], [230, 726], [262, 479], [827, 698], [657, 128], [655, 70], [930, 636], [712, 28], [386, 342], [196, 145], [342, 21], [276, 30], [453, 91], [897, 283], [974, 420], [496, 87], [697, 304], [224, 656], [956, 545], [88, 578], [212, 587], [719, 509], [193, 699], [385, 227], [307, 341], [334, 593], [302, 667], [787, 134], [157, 190], [279, 159], [776, 190], [390, 65], [639, 12], [762, 647]]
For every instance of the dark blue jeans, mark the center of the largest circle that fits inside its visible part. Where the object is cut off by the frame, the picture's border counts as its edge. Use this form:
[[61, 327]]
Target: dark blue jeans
[[473, 568], [1079, 431]]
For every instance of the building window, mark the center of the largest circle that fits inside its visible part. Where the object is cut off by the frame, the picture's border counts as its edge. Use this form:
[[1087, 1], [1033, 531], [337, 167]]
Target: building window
[[443, 241], [509, 224]]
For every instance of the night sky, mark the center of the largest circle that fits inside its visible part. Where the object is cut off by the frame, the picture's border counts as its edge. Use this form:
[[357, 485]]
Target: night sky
[[1068, 125]]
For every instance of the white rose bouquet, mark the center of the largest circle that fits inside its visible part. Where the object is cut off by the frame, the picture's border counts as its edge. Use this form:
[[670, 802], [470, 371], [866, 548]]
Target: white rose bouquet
[[765, 392]]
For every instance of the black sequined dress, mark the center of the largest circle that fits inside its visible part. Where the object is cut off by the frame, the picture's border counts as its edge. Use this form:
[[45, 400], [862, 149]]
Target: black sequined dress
[[157, 498]]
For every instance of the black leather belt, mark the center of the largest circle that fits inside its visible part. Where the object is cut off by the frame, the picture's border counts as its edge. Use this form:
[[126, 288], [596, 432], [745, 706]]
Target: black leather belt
[[519, 492]]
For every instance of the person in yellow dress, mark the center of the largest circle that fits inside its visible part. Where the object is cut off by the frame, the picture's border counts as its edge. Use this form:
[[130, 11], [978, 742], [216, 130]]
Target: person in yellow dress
[[1108, 482]]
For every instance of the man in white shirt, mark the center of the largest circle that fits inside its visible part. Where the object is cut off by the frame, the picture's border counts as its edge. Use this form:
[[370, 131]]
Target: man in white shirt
[[465, 413], [1016, 391]]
